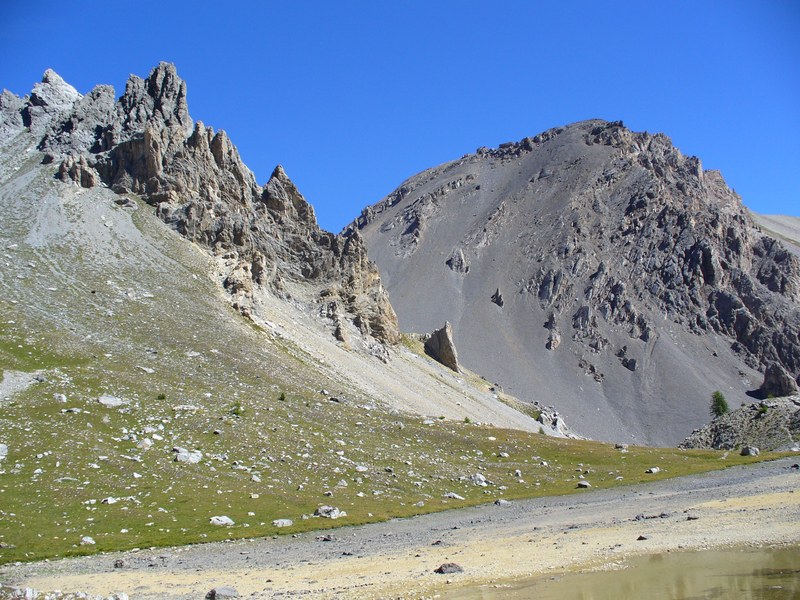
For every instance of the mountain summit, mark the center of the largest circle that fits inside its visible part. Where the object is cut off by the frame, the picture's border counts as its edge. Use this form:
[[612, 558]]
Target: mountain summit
[[266, 238], [597, 269]]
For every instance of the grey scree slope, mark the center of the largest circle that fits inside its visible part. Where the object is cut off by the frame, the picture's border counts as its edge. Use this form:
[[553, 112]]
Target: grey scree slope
[[595, 269]]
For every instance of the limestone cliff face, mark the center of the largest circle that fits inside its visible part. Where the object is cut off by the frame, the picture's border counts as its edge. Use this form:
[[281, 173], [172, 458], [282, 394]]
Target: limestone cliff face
[[147, 144], [598, 250]]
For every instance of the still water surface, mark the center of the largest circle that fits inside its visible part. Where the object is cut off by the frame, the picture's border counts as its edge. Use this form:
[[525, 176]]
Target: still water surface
[[757, 574]]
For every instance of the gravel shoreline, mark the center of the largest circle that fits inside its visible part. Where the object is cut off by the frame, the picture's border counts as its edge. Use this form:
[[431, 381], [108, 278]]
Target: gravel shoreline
[[749, 505]]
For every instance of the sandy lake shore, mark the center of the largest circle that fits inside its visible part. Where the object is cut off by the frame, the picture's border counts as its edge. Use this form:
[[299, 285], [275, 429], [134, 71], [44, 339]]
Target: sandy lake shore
[[740, 506]]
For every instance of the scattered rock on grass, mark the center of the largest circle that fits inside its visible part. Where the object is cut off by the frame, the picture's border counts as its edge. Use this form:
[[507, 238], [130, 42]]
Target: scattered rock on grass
[[453, 496], [221, 520], [187, 456], [329, 512], [282, 523], [479, 480], [111, 401]]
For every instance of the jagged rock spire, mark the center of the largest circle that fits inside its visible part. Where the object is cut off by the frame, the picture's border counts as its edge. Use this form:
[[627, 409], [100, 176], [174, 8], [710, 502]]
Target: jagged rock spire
[[146, 143]]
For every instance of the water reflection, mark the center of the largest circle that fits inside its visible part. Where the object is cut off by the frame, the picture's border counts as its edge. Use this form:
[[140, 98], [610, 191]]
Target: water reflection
[[759, 574]]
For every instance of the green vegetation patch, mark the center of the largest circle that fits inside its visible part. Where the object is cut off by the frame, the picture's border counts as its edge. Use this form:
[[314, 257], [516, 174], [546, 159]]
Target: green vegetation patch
[[91, 474]]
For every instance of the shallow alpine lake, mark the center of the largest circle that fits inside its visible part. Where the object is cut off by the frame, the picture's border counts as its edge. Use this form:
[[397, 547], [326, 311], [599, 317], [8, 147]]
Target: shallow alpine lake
[[745, 574]]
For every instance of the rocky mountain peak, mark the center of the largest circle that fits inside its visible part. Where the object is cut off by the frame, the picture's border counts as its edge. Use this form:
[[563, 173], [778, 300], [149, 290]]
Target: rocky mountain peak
[[159, 100], [266, 239], [51, 96], [53, 91], [594, 249], [284, 199]]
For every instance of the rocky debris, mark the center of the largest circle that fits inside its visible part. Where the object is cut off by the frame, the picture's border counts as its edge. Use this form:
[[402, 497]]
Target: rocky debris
[[183, 455], [750, 451], [329, 512], [267, 238], [769, 425], [550, 417], [777, 382], [644, 517], [653, 470], [87, 541], [3, 452], [584, 484], [222, 592], [497, 298], [448, 568], [553, 339], [439, 345], [282, 523], [221, 520], [458, 262], [77, 170], [502, 502]]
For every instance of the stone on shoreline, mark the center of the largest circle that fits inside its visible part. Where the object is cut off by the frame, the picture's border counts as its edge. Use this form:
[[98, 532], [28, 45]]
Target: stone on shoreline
[[448, 568]]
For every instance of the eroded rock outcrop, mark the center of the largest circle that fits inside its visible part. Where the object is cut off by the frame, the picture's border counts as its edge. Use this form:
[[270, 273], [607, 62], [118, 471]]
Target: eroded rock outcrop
[[439, 345], [266, 238], [777, 382]]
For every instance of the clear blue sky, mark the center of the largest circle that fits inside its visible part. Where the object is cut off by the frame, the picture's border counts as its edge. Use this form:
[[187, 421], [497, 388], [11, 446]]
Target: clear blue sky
[[352, 97]]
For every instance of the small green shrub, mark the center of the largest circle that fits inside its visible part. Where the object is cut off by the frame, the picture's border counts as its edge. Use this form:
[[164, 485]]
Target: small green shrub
[[236, 410], [282, 397], [719, 406], [467, 420], [762, 410], [162, 396]]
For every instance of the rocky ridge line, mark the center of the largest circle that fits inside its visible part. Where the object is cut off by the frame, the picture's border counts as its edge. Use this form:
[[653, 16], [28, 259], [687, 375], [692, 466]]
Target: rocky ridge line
[[266, 238]]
